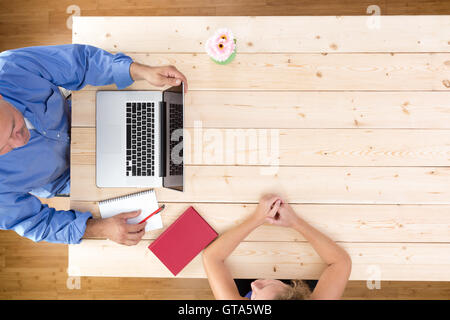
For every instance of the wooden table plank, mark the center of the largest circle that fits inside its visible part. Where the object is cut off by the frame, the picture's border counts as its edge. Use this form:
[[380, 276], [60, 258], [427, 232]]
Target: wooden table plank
[[267, 34], [298, 147], [346, 71], [339, 185], [287, 260], [272, 109], [345, 223], [319, 90]]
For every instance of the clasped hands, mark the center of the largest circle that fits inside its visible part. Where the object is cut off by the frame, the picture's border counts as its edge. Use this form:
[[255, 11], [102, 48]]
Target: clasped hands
[[271, 209]]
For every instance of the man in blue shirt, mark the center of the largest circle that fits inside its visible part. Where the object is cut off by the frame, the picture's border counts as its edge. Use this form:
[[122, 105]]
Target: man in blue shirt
[[35, 137]]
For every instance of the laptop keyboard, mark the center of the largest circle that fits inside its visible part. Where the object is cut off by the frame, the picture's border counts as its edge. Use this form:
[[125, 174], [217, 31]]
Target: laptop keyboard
[[175, 122], [140, 120]]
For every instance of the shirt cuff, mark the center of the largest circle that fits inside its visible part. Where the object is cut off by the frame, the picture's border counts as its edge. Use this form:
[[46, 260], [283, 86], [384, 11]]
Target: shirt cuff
[[82, 218], [121, 70]]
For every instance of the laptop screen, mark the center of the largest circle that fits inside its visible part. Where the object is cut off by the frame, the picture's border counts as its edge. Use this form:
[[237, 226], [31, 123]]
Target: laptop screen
[[173, 100]]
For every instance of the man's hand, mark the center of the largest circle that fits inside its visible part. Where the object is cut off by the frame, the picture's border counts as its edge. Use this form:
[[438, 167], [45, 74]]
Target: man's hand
[[117, 229], [158, 76]]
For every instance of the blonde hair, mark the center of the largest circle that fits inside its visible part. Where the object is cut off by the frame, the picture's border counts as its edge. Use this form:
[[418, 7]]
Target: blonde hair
[[297, 290]]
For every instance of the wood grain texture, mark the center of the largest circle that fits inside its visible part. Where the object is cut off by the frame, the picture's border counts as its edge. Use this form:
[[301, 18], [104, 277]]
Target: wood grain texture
[[30, 270], [58, 33], [275, 260], [344, 223], [346, 71], [329, 33], [22, 279], [25, 273], [298, 147], [242, 7], [323, 162], [245, 184], [291, 109]]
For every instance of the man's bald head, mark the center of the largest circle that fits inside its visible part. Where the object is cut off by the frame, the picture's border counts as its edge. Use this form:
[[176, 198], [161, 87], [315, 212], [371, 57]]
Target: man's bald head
[[13, 130]]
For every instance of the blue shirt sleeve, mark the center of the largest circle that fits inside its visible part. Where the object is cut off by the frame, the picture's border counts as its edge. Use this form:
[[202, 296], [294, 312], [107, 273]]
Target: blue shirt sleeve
[[26, 215], [73, 66]]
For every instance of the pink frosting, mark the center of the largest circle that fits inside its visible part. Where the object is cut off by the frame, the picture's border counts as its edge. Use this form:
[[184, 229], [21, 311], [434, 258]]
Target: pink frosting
[[221, 45]]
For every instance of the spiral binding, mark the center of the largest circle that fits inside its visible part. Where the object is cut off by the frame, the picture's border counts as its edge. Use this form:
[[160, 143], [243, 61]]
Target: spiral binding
[[129, 196]]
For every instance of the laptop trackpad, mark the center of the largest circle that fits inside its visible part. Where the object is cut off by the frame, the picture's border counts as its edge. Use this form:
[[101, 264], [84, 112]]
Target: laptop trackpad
[[113, 142]]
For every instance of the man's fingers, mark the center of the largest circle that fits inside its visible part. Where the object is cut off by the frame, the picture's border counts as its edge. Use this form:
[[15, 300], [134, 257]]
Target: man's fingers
[[131, 242], [136, 236], [128, 215], [132, 239], [173, 81], [133, 228], [177, 74], [172, 73]]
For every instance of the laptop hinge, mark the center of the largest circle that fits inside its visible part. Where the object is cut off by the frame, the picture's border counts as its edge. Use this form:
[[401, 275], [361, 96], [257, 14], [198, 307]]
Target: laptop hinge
[[163, 142]]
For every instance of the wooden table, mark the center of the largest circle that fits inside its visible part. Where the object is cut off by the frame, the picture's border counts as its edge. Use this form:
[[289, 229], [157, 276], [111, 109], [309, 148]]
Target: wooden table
[[362, 119]]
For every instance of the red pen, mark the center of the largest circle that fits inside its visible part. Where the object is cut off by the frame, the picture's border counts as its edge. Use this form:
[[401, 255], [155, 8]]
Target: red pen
[[152, 214]]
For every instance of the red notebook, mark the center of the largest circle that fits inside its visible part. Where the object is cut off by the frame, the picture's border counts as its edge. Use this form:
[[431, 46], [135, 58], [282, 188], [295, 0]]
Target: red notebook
[[183, 240]]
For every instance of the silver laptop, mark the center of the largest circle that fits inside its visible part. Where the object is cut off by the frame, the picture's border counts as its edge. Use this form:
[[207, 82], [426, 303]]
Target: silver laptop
[[140, 138]]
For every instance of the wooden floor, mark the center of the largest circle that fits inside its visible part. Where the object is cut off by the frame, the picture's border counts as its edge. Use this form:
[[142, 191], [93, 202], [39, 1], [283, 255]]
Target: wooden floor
[[25, 271], [44, 22]]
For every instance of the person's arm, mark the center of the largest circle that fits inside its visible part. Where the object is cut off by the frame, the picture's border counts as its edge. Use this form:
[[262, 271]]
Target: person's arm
[[116, 228], [71, 66], [219, 277], [158, 76], [332, 282], [74, 66], [25, 214]]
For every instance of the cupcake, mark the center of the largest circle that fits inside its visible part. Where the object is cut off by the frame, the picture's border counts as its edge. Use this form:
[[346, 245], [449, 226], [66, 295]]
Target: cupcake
[[221, 47]]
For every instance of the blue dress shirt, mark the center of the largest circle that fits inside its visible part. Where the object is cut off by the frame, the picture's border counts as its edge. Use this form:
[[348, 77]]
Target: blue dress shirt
[[29, 80]]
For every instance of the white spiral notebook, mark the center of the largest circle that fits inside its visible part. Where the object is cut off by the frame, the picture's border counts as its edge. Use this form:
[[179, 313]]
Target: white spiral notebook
[[146, 201]]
